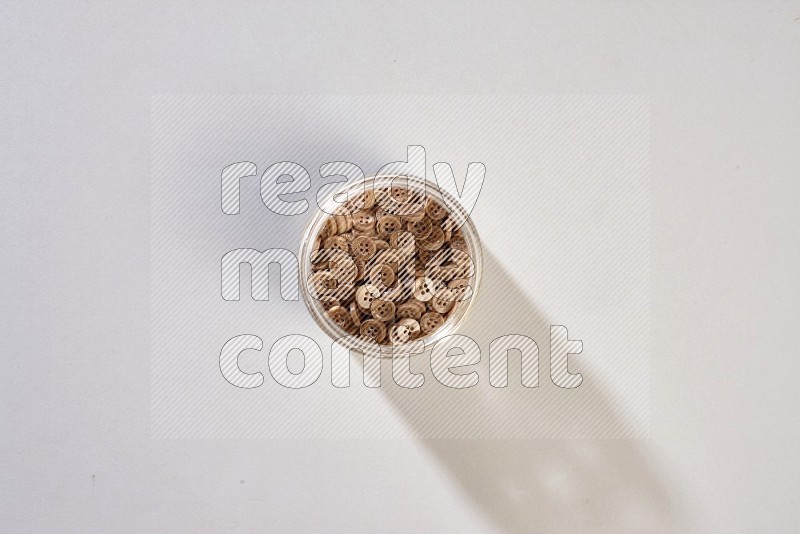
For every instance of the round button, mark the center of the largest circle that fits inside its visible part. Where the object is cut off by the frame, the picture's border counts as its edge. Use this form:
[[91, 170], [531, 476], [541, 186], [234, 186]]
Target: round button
[[434, 241], [459, 289], [382, 310], [363, 247], [407, 310], [382, 276], [419, 305], [421, 228], [414, 329], [337, 241], [373, 329], [328, 303], [458, 243], [424, 257], [369, 232], [368, 199], [343, 224], [430, 322], [435, 210], [403, 241], [365, 295], [424, 288], [322, 284], [355, 314], [440, 305], [400, 194], [414, 212], [388, 224], [399, 334], [443, 273], [363, 221], [360, 267], [330, 227], [342, 318]]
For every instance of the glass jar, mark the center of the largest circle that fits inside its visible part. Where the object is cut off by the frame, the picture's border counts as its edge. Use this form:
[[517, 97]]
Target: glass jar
[[329, 205]]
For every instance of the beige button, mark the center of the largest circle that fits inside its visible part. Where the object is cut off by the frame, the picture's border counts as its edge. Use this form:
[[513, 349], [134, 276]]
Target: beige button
[[331, 254], [382, 310], [360, 267], [361, 201], [403, 242], [363, 221], [459, 289], [424, 256], [421, 228], [393, 238], [460, 257], [355, 314], [413, 208], [459, 264], [330, 227], [382, 276], [321, 257], [388, 224], [343, 224], [341, 318], [404, 286], [373, 329], [319, 266], [342, 269], [337, 241], [440, 305], [424, 288], [434, 241], [328, 303], [405, 280], [367, 199], [464, 270], [430, 322], [419, 305], [399, 334], [365, 295], [322, 284], [363, 247], [458, 284], [444, 274], [401, 194], [449, 224], [371, 232], [345, 284], [458, 243], [408, 310], [435, 210], [414, 213], [414, 329]]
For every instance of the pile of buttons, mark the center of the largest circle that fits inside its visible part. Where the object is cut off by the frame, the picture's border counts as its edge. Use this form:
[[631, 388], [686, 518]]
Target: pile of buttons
[[390, 266]]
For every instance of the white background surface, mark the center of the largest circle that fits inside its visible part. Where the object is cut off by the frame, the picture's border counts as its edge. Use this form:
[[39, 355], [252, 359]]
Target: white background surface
[[563, 215], [76, 86]]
